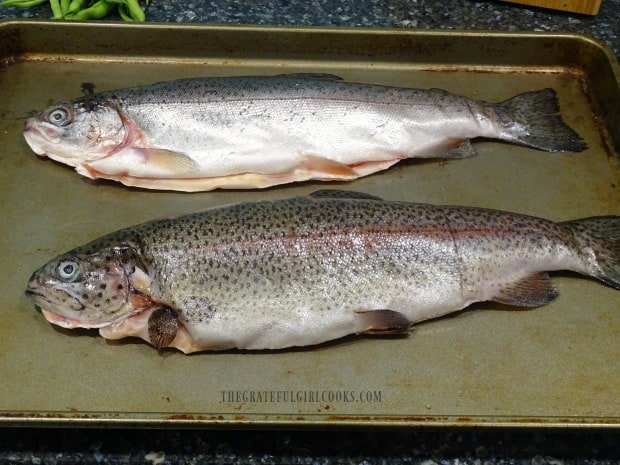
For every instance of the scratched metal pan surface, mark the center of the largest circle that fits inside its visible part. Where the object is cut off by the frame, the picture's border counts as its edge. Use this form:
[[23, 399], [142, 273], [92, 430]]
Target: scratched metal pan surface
[[489, 366]]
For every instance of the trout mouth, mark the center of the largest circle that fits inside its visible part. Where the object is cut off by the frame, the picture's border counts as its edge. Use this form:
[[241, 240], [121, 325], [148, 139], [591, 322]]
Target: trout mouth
[[63, 321], [38, 137], [42, 301], [71, 323], [46, 142], [38, 297]]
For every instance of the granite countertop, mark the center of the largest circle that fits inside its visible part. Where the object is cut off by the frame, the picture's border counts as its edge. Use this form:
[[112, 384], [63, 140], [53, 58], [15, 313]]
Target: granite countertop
[[458, 446], [422, 14]]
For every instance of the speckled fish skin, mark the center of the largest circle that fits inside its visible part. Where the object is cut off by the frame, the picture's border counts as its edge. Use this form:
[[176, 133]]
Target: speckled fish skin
[[304, 270], [258, 131]]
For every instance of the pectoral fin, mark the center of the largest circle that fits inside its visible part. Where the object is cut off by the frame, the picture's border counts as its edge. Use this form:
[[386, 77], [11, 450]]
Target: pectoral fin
[[141, 162], [382, 322], [533, 291], [167, 159], [162, 327]]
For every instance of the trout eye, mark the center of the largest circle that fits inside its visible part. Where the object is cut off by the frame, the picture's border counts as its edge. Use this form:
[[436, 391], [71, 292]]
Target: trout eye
[[59, 116], [68, 270]]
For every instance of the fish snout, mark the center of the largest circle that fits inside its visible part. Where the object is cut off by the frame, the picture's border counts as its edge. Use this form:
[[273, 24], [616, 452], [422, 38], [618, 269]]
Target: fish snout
[[34, 290], [30, 124], [40, 135], [36, 296], [33, 282], [34, 139], [34, 125]]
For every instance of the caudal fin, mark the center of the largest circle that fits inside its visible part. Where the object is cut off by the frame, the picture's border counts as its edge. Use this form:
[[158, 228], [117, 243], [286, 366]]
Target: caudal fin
[[533, 119], [601, 236]]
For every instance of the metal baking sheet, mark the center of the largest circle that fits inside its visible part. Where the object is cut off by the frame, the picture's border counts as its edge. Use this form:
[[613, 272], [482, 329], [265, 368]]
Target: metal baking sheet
[[489, 366]]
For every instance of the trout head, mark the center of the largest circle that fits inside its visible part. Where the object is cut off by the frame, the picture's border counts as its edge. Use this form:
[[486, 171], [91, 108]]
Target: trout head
[[77, 132], [86, 290]]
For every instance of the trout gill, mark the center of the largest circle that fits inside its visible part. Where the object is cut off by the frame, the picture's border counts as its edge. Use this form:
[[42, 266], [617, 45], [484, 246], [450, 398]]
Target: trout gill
[[304, 270], [258, 131]]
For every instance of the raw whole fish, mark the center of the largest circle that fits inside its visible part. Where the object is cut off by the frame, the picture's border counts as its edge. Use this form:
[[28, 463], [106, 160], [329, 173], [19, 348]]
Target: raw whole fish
[[304, 270], [253, 132]]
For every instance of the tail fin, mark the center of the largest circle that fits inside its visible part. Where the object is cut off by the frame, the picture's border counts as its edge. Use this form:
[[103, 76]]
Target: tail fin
[[533, 119], [600, 235]]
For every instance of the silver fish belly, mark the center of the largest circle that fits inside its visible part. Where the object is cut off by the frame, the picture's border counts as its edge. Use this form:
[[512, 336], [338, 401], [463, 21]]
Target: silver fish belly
[[253, 132], [304, 270]]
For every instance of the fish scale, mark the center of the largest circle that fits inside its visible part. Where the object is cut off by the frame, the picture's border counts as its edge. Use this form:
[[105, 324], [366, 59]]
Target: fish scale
[[303, 270]]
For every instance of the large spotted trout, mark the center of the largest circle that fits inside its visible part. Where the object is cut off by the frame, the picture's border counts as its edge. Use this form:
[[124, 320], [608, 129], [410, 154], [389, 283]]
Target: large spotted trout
[[259, 131], [304, 270]]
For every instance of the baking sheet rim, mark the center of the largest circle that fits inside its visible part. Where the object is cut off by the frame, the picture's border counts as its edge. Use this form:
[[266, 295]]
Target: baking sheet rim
[[493, 33]]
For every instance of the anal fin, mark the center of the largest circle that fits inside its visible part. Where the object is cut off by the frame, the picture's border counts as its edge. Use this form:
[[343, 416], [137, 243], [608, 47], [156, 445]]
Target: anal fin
[[532, 291], [382, 322], [327, 169], [459, 148]]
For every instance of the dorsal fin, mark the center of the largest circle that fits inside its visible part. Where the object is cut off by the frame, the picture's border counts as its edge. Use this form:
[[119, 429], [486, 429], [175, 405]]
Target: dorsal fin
[[341, 194]]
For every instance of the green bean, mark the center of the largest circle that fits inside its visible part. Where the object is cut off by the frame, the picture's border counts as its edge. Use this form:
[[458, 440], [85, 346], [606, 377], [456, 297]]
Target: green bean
[[97, 10], [128, 10], [22, 3], [74, 7], [56, 10], [134, 10], [122, 12]]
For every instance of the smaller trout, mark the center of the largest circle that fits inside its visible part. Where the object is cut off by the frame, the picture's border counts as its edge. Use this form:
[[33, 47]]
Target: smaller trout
[[247, 132], [304, 270]]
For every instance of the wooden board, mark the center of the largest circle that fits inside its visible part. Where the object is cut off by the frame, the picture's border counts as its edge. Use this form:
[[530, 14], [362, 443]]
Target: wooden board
[[589, 7]]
